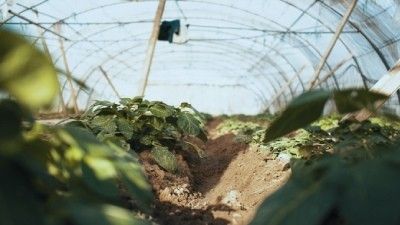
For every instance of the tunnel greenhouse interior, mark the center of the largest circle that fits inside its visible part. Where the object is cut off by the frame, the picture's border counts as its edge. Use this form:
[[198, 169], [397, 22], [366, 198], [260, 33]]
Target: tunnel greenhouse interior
[[120, 112]]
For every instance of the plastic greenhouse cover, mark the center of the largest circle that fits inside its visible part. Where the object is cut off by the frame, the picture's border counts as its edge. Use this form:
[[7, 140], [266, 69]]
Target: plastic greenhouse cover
[[240, 53]]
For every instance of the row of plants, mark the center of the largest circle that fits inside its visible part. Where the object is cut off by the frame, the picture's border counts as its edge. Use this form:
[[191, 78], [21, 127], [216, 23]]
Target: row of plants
[[137, 125], [347, 172], [328, 134], [58, 175]]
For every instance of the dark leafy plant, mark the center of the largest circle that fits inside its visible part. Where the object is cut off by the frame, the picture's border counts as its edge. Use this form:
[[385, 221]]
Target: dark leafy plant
[[56, 175], [309, 106], [140, 124], [355, 183]]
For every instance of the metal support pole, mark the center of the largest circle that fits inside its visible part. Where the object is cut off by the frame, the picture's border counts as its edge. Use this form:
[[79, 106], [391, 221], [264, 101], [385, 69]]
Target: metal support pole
[[332, 44], [152, 45], [109, 81]]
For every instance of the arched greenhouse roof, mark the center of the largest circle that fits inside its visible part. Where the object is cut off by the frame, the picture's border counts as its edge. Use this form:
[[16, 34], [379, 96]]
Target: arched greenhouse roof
[[242, 56]]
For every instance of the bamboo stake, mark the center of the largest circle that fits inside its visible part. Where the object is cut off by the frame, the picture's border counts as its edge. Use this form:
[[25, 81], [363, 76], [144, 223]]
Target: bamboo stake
[[389, 84], [332, 72], [109, 81], [68, 71], [332, 44], [47, 51], [152, 45], [38, 25]]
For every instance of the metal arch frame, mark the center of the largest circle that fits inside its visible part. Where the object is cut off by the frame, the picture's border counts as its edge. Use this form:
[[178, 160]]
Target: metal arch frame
[[374, 47], [206, 43], [178, 52], [226, 62], [100, 32], [275, 50], [303, 12], [244, 58], [113, 4], [286, 59], [121, 3], [259, 93], [76, 31], [99, 7], [272, 21], [326, 26], [118, 26]]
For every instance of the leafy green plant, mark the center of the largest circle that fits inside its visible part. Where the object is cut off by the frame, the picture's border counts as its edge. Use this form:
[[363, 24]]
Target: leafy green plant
[[24, 72], [238, 127], [140, 124], [333, 191], [329, 135], [356, 182], [309, 106], [56, 175]]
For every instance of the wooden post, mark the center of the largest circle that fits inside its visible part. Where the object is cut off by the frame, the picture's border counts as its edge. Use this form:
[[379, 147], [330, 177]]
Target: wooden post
[[109, 81], [332, 44], [68, 71], [331, 72], [47, 51], [387, 85], [152, 45]]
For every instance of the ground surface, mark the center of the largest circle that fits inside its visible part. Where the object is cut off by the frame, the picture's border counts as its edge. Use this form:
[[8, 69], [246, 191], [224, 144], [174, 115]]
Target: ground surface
[[224, 188]]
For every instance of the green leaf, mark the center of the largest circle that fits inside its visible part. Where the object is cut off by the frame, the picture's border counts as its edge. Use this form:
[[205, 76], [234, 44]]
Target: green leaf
[[186, 107], [373, 195], [130, 102], [165, 158], [161, 110], [155, 122], [200, 152], [84, 214], [25, 72], [75, 123], [10, 118], [189, 124], [302, 111], [352, 100], [99, 174], [82, 139], [19, 203], [120, 141], [131, 174], [125, 127], [105, 123], [103, 103], [307, 199], [147, 140]]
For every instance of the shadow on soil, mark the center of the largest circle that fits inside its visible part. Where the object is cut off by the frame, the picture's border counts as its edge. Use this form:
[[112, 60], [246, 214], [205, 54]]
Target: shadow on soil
[[220, 153], [172, 214]]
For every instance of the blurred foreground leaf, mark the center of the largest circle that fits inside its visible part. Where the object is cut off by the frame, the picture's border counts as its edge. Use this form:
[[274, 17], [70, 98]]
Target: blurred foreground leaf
[[25, 72]]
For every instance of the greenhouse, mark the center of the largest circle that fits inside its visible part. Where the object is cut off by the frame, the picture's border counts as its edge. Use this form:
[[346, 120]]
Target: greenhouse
[[275, 112]]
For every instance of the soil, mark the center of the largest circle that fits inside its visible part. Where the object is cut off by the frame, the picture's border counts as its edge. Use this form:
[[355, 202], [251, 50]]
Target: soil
[[224, 188]]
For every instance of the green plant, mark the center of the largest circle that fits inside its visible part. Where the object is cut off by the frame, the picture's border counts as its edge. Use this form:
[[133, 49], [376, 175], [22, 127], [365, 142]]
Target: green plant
[[238, 127], [357, 182], [140, 124], [329, 135], [57, 175], [309, 106]]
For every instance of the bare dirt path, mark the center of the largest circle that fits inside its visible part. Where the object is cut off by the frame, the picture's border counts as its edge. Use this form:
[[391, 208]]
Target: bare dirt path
[[225, 188]]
